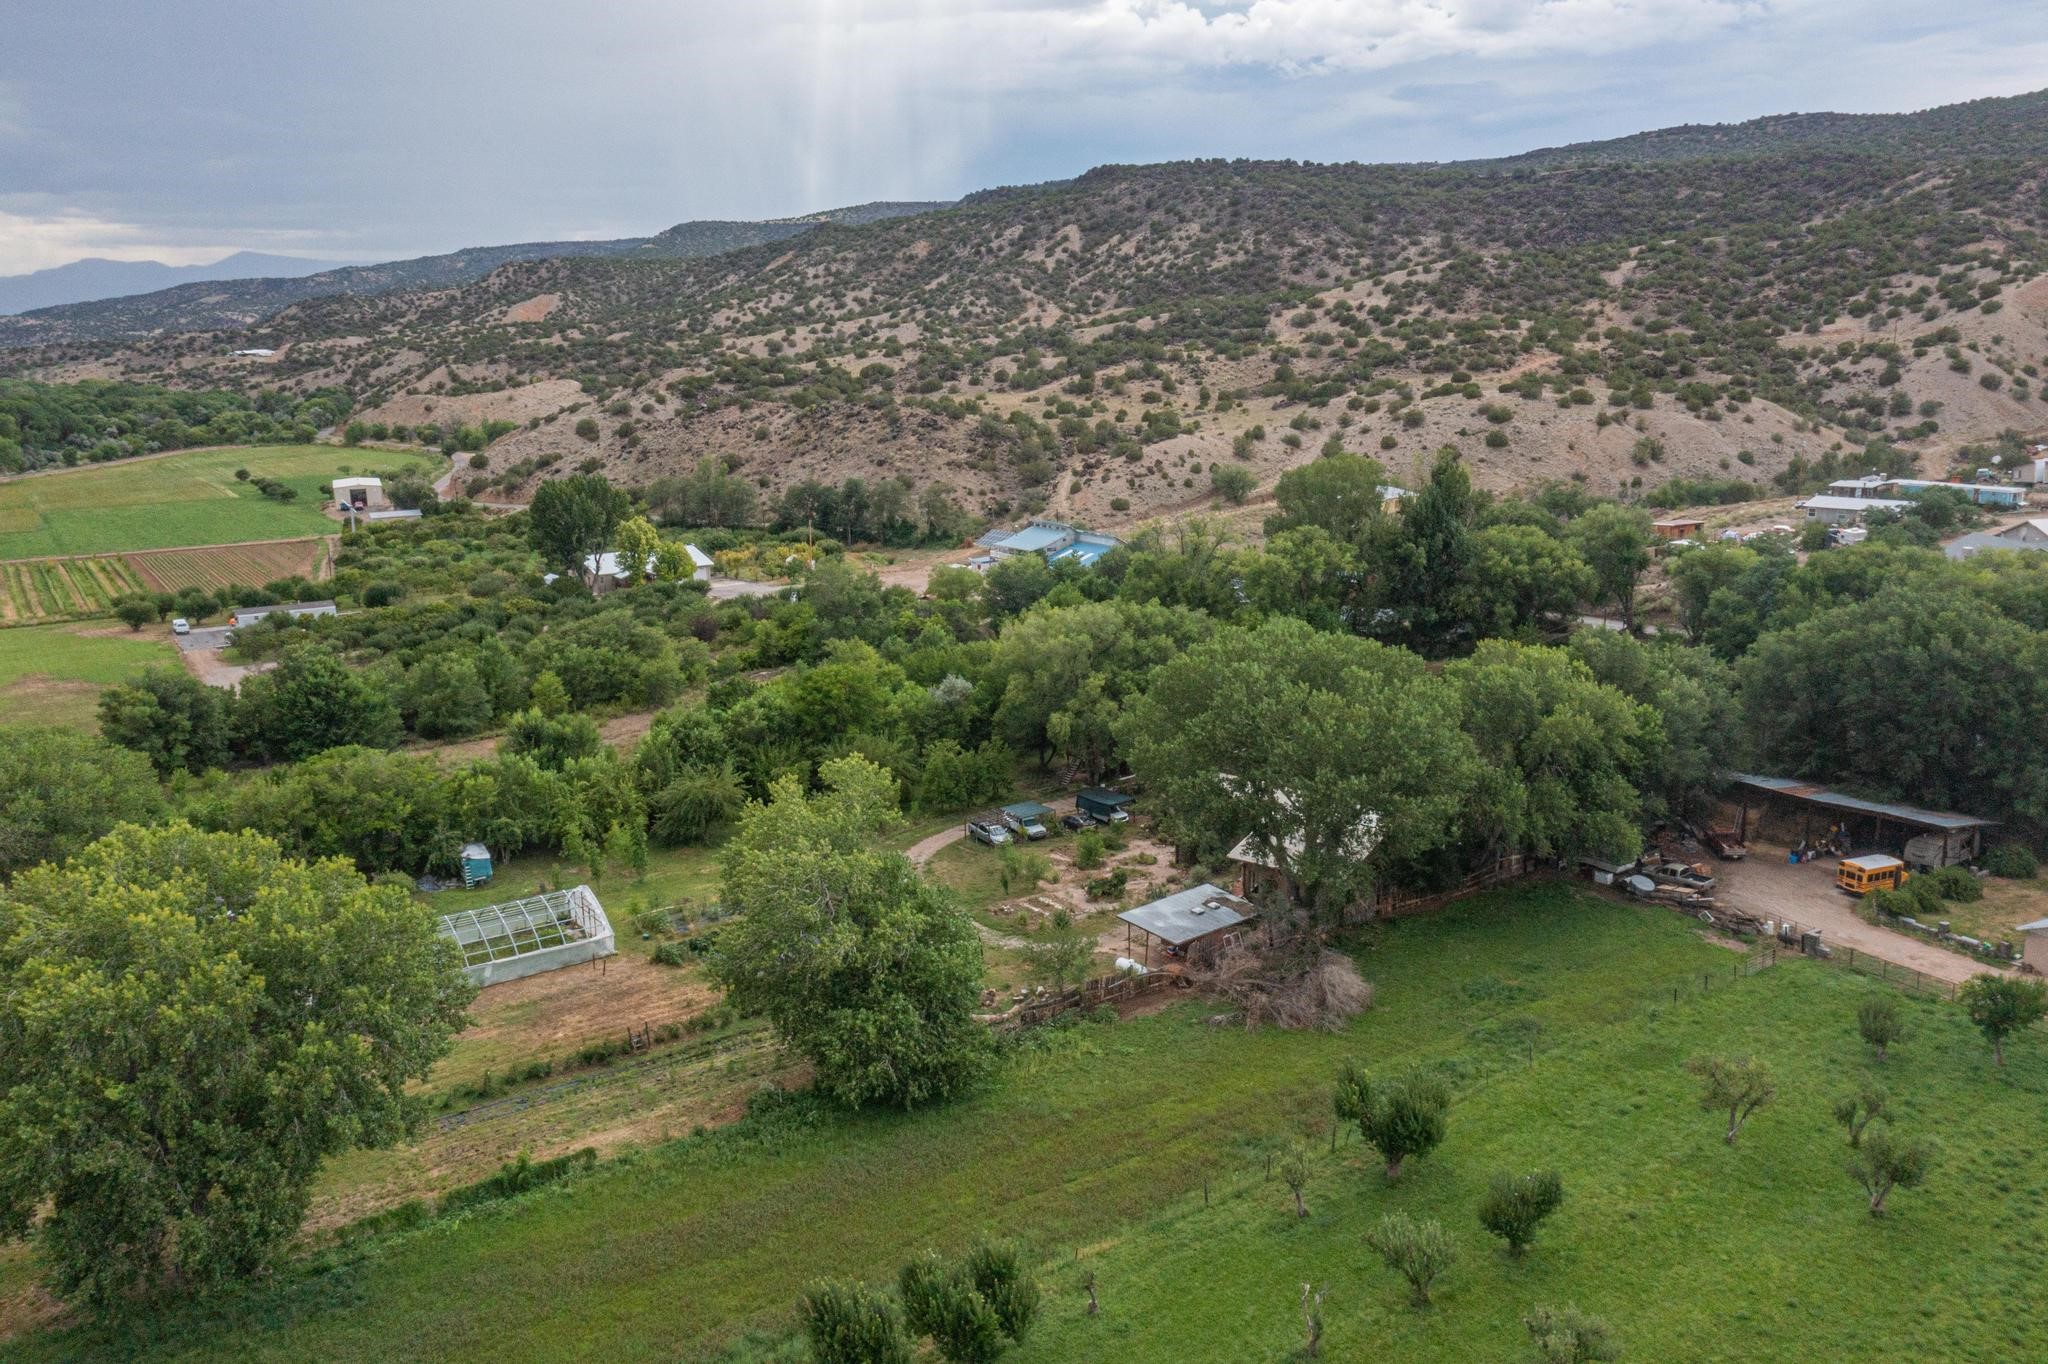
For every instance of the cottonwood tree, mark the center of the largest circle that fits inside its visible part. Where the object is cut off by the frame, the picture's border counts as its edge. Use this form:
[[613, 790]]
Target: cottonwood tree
[[1325, 749], [573, 518], [1339, 494], [1886, 1161], [1615, 543], [1737, 1085], [1419, 1251], [1399, 1118], [60, 789], [636, 542], [865, 968], [190, 1023], [1565, 752], [1854, 1112], [1515, 1205], [1880, 1023], [2002, 1005], [850, 1323]]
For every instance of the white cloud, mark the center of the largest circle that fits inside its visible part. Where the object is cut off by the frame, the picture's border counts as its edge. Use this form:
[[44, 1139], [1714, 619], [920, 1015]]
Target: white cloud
[[35, 241]]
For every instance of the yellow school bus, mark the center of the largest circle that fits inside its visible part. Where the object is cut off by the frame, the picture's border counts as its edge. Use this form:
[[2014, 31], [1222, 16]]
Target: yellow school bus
[[1874, 871]]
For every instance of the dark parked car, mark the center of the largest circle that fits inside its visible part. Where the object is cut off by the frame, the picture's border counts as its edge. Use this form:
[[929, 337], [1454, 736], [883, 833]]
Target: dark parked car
[[1078, 821]]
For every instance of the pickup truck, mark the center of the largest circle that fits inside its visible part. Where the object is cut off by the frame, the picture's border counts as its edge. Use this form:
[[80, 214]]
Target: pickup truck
[[987, 831], [1677, 874]]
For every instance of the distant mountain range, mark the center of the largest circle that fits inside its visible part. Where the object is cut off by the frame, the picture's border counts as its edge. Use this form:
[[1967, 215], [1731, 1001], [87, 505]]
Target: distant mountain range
[[248, 293], [85, 281]]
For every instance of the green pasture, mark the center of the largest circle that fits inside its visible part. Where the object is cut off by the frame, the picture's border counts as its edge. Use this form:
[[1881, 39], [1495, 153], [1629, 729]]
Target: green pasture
[[1138, 1151], [191, 497], [52, 674]]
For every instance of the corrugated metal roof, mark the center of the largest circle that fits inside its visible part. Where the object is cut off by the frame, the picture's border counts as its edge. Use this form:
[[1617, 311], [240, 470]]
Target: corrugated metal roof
[[1032, 537], [1824, 502], [1104, 795], [1821, 795], [1028, 809], [1194, 913]]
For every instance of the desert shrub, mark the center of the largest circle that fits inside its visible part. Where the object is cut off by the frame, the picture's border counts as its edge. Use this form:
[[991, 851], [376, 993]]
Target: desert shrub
[[673, 952], [2014, 861], [1109, 887], [1089, 850]]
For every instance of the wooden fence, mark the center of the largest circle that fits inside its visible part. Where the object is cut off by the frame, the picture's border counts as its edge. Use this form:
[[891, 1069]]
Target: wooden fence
[[1388, 902], [1114, 989]]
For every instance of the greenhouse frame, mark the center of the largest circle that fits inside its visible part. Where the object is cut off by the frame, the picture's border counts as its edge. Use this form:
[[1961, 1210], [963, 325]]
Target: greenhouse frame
[[525, 937]]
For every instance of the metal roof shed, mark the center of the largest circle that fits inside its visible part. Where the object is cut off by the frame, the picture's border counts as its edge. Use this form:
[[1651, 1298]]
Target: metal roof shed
[[1185, 918], [1946, 823], [1028, 809]]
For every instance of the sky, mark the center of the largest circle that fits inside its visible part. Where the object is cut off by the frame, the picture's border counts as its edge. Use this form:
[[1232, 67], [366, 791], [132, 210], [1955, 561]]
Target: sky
[[181, 130]]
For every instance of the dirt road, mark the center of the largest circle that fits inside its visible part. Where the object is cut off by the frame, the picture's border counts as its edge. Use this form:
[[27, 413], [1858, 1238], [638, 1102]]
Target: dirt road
[[1769, 887]]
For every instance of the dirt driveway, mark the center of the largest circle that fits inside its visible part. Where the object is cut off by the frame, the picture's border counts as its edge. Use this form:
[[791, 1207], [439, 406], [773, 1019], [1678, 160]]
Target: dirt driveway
[[1769, 887]]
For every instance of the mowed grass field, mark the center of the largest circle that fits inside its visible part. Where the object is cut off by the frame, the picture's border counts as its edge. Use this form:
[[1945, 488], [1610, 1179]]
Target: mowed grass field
[[188, 498], [53, 674], [1138, 1151]]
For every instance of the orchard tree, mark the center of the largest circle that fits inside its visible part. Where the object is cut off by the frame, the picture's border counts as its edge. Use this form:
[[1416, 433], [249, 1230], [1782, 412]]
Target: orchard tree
[[170, 717], [60, 790], [310, 702], [573, 518], [1565, 1335], [1515, 1205], [2003, 1005], [865, 968], [1854, 1112], [1419, 1251], [1885, 1161], [189, 1024], [1399, 1118], [1294, 1170], [850, 1323], [1879, 1022], [1736, 1085]]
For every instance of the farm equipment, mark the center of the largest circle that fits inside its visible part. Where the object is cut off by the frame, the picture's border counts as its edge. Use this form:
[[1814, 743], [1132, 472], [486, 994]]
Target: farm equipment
[[1722, 842]]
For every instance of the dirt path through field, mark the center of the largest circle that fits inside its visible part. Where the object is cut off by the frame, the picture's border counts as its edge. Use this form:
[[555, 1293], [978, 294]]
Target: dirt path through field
[[925, 849], [1769, 887]]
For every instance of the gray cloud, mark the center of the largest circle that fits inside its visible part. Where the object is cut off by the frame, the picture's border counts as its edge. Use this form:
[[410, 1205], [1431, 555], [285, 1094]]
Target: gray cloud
[[373, 128]]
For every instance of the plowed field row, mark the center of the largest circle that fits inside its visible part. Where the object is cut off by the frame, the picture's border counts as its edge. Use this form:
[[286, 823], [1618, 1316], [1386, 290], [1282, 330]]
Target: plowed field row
[[34, 590]]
